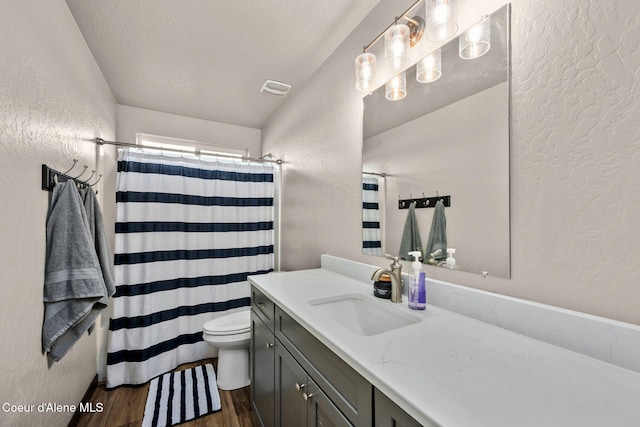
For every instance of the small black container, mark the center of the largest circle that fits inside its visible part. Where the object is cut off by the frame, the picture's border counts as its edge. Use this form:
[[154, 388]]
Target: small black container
[[382, 287]]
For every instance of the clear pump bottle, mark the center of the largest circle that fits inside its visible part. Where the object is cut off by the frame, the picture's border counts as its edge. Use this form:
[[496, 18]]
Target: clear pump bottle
[[451, 261]]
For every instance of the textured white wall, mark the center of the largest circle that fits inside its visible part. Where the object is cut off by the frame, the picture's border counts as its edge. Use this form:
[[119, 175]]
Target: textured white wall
[[575, 156], [53, 102], [133, 120]]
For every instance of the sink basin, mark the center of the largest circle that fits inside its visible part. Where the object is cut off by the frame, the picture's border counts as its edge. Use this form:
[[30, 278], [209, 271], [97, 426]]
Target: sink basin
[[363, 315]]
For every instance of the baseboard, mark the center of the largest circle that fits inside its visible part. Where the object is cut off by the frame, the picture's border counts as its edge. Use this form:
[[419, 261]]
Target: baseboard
[[87, 396]]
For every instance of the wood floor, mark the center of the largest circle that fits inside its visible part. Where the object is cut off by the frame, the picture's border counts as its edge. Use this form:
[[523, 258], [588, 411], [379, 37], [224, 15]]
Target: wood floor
[[124, 407]]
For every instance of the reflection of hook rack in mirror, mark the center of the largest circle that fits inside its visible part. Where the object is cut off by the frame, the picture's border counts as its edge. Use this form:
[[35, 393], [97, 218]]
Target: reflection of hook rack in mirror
[[424, 202]]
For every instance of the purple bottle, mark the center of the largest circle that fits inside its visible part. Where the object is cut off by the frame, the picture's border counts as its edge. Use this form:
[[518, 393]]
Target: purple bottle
[[417, 293]]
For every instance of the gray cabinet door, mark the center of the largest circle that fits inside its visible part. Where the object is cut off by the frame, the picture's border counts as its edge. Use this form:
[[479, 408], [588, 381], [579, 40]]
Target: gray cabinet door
[[320, 411], [262, 371], [291, 383], [346, 389], [388, 414]]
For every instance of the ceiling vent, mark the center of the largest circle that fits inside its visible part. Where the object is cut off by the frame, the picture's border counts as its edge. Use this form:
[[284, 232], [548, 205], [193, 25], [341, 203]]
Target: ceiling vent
[[275, 88]]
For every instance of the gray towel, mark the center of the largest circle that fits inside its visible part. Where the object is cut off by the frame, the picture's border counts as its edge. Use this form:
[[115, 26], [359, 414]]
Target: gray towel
[[96, 224], [411, 240], [74, 290], [438, 233]]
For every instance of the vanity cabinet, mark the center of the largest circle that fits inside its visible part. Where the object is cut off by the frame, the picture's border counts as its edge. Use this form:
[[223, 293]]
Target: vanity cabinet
[[297, 381], [309, 384]]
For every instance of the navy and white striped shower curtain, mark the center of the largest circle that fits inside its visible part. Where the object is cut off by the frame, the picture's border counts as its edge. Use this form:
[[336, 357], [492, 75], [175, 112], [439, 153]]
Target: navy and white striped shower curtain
[[371, 232], [188, 232]]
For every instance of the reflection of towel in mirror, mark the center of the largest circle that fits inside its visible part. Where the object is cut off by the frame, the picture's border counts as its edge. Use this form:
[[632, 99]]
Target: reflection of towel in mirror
[[74, 290], [411, 240], [438, 233]]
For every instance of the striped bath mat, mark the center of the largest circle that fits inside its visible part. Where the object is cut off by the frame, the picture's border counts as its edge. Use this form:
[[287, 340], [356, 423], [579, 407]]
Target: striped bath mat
[[176, 397]]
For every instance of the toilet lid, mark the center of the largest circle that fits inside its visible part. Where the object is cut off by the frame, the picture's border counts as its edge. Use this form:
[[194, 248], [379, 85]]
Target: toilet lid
[[229, 324]]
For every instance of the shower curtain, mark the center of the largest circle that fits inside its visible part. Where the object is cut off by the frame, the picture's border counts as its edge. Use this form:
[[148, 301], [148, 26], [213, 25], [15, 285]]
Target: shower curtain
[[188, 233], [371, 234]]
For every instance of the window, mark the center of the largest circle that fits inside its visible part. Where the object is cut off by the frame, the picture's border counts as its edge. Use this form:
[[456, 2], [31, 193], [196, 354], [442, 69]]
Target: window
[[197, 148]]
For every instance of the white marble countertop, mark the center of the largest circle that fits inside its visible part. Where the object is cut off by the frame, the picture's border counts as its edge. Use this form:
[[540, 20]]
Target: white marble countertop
[[453, 370]]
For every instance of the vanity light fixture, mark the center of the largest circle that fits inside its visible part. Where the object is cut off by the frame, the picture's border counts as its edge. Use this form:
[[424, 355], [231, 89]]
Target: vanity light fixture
[[396, 88], [399, 38], [476, 41], [442, 21], [429, 68]]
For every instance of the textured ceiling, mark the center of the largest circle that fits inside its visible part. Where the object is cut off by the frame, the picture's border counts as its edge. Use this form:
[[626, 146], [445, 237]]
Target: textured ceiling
[[208, 58]]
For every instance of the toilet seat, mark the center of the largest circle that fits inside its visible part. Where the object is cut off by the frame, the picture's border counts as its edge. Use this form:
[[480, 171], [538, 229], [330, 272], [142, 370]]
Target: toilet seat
[[229, 324]]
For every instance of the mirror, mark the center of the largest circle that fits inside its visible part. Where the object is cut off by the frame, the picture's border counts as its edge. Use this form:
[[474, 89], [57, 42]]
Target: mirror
[[445, 138]]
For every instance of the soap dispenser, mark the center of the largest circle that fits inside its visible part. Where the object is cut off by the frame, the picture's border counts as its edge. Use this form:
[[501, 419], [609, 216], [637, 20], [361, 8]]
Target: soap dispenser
[[417, 292], [451, 261]]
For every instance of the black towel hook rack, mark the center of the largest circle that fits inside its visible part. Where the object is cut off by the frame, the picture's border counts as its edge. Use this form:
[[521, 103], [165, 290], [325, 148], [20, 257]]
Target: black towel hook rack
[[424, 202], [51, 176]]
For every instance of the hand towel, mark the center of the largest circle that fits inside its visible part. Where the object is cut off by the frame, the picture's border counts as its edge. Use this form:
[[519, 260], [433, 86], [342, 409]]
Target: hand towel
[[74, 290], [438, 233], [411, 240]]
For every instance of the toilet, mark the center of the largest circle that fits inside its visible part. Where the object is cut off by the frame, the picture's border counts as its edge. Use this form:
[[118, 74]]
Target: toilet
[[231, 334]]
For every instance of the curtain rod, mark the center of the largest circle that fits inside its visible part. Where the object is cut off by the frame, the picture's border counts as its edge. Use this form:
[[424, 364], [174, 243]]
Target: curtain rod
[[101, 141]]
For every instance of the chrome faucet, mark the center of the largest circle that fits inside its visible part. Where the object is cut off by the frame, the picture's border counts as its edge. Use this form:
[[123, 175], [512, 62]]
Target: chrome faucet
[[432, 257], [395, 272]]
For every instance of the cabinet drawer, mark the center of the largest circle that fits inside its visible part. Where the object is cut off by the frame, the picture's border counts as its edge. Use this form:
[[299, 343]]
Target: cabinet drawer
[[263, 306], [348, 390]]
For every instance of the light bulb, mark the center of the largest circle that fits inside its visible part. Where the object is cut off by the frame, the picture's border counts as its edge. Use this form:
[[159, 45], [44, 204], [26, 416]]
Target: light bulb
[[429, 68], [441, 13], [396, 47], [441, 19], [366, 72], [396, 88], [476, 41]]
